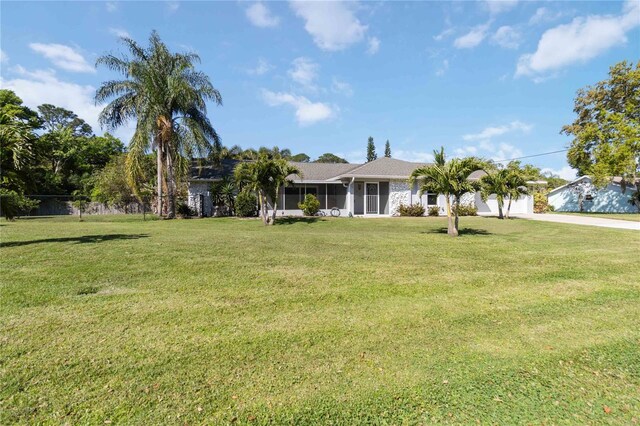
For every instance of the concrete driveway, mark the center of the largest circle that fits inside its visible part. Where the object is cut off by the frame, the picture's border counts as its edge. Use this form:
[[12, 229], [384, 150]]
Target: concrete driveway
[[582, 220]]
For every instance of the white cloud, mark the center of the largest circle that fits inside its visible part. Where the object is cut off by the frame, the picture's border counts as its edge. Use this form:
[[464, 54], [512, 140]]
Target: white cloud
[[472, 38], [304, 72], [111, 6], [443, 69], [373, 45], [260, 16], [444, 34], [491, 132], [262, 68], [341, 87], [119, 32], [43, 86], [307, 112], [543, 14], [63, 57], [332, 24], [3, 57], [507, 37], [566, 172], [579, 41], [172, 6], [500, 6]]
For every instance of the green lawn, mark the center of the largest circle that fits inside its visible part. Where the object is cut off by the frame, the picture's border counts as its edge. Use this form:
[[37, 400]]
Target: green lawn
[[335, 321], [635, 217]]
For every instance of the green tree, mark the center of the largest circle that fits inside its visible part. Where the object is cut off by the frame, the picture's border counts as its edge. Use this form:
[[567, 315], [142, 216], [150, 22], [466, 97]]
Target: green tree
[[265, 177], [371, 150], [300, 158], [516, 188], [167, 96], [387, 149], [606, 130], [330, 158], [451, 179], [17, 152], [111, 186], [495, 183]]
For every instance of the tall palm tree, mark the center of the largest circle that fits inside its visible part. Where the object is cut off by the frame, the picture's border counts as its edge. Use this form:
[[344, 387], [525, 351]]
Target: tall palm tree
[[167, 97], [265, 177], [495, 182], [449, 178], [516, 188]]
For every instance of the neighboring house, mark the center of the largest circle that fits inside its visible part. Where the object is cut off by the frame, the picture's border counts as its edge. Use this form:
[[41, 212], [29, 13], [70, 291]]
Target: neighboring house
[[376, 188], [609, 199]]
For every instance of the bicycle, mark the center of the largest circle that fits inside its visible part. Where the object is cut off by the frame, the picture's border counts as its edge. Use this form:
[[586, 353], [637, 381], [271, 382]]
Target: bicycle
[[334, 212]]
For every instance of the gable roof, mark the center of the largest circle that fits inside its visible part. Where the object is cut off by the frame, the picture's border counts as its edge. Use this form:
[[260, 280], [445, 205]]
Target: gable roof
[[205, 170], [384, 167], [320, 171], [616, 180]]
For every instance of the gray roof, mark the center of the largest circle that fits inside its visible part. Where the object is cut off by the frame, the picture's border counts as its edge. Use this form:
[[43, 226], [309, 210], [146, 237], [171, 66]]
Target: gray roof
[[477, 175], [205, 170], [384, 167], [390, 168], [321, 171]]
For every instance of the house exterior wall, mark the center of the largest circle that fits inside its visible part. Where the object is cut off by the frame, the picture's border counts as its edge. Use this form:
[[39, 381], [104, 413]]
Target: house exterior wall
[[399, 193], [524, 205], [200, 188], [607, 200]]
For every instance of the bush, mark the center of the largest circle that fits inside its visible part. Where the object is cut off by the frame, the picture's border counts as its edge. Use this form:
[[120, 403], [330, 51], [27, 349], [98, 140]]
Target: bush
[[466, 210], [434, 211], [246, 204], [310, 205], [183, 210], [13, 204], [411, 210], [541, 203]]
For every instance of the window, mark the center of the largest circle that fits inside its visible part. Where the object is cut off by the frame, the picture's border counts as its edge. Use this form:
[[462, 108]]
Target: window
[[432, 199]]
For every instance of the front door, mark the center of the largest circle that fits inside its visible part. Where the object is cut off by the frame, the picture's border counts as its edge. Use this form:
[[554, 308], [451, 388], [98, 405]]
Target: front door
[[371, 195]]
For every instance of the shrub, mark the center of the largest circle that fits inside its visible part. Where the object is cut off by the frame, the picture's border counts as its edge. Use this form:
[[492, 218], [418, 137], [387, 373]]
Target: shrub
[[183, 210], [310, 205], [434, 211], [466, 210], [13, 204], [246, 204], [541, 203], [411, 210]]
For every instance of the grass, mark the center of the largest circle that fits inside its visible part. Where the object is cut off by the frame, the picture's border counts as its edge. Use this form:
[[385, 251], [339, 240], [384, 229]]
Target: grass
[[635, 217], [328, 321]]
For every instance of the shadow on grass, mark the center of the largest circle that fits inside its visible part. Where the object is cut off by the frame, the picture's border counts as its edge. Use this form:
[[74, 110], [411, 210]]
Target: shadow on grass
[[294, 220], [90, 239], [462, 231]]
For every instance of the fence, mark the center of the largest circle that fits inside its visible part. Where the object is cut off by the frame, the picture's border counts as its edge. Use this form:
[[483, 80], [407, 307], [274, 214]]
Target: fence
[[54, 205]]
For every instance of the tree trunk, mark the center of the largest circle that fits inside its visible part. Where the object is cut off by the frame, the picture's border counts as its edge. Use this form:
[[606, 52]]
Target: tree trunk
[[264, 214], [171, 187], [452, 217], [508, 208], [456, 227], [159, 177], [275, 207]]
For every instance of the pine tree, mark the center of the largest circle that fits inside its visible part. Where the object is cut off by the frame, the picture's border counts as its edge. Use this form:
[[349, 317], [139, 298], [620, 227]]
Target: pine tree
[[371, 150], [387, 149]]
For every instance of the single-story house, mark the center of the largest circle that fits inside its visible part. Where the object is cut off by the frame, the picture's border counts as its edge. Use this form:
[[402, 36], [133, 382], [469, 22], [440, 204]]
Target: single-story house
[[376, 188], [609, 199]]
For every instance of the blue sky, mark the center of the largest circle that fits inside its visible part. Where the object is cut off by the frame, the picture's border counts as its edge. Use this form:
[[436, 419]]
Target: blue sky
[[495, 79]]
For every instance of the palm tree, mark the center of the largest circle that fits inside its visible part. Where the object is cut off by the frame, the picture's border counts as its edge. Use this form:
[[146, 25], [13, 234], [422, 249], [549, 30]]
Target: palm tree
[[516, 188], [449, 178], [167, 97], [265, 177], [495, 182]]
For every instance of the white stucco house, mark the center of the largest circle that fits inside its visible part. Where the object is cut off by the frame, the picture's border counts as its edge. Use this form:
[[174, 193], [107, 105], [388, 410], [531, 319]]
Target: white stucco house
[[610, 199], [376, 188]]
